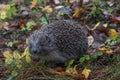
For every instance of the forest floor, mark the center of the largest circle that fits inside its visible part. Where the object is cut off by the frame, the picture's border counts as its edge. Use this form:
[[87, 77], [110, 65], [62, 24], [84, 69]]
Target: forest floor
[[99, 18]]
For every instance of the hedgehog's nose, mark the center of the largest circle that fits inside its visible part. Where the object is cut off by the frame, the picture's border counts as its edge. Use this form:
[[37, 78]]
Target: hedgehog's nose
[[34, 51]]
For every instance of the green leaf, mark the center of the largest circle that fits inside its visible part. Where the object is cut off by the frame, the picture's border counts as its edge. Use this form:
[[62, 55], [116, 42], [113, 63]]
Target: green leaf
[[81, 60], [10, 44], [87, 57], [13, 74], [30, 25], [95, 55], [69, 63]]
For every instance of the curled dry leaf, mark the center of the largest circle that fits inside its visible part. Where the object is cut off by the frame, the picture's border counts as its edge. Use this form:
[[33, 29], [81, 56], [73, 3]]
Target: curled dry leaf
[[47, 9], [86, 72], [78, 11], [33, 4], [90, 40], [72, 71]]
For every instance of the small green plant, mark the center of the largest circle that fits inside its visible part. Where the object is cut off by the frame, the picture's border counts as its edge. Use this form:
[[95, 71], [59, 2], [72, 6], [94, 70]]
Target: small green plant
[[95, 55], [30, 24], [112, 41], [69, 63], [10, 44], [11, 10], [84, 58]]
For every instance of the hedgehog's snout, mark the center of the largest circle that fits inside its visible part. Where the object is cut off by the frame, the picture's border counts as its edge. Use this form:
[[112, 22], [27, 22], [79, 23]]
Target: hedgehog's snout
[[34, 51]]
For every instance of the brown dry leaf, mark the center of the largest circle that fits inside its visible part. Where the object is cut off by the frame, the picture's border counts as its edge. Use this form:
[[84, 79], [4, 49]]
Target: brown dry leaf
[[106, 50], [112, 33], [86, 72], [33, 4], [47, 9], [78, 11], [115, 19], [52, 71]]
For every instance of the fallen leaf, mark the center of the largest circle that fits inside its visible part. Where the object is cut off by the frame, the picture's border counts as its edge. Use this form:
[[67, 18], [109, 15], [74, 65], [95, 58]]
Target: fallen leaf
[[47, 9], [33, 4], [72, 71], [16, 55], [77, 12], [115, 19], [27, 58], [112, 33], [59, 68], [56, 1], [6, 28], [106, 50], [3, 14], [90, 40], [96, 26], [86, 72], [105, 25], [7, 54]]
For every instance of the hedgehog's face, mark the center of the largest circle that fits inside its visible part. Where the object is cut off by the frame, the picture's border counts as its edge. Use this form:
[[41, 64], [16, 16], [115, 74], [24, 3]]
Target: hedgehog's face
[[40, 45]]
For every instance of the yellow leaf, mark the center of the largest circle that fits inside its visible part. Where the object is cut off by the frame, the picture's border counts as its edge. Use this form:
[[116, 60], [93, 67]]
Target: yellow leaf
[[105, 25], [47, 9], [77, 12], [26, 52], [18, 64], [72, 71], [106, 50], [75, 70], [112, 33], [26, 41], [3, 14], [16, 55], [86, 72], [7, 54], [28, 59], [33, 4], [8, 60], [96, 26]]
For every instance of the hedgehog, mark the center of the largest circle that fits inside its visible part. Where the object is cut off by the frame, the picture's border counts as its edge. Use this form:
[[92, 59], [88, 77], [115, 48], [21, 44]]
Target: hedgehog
[[58, 42]]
